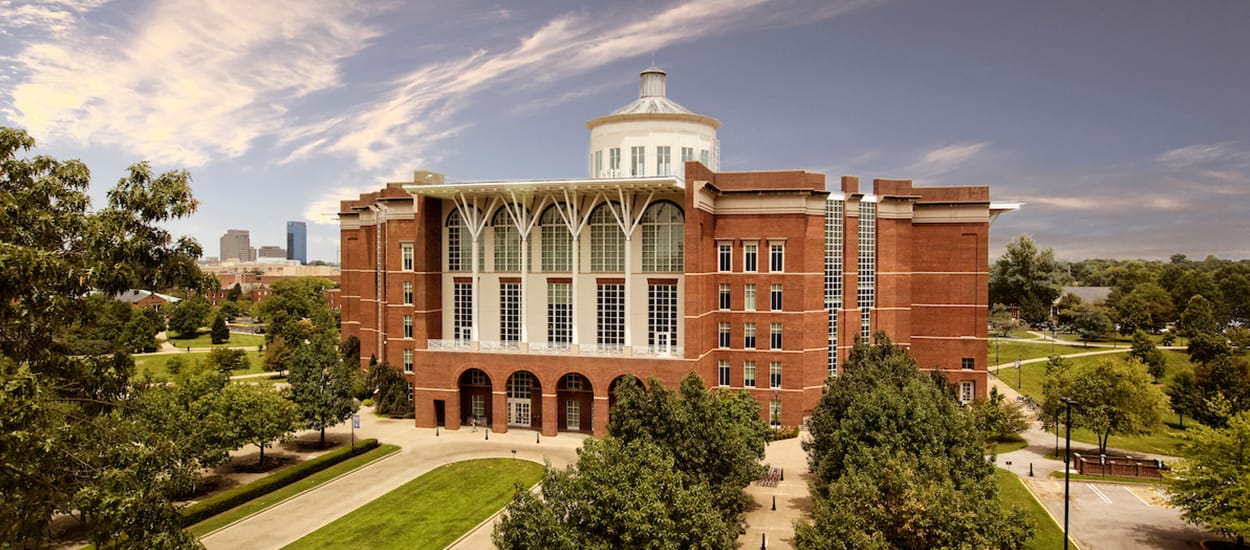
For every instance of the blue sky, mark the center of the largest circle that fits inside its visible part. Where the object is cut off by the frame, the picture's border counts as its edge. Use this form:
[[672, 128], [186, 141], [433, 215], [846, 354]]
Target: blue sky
[[1122, 124]]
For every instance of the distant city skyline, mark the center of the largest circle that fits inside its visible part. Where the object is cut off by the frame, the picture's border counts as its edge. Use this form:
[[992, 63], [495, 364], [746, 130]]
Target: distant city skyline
[[1121, 125]]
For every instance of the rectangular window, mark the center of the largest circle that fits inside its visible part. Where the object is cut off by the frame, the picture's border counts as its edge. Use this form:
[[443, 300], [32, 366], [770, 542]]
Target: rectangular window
[[724, 296], [598, 164], [704, 158], [748, 297], [967, 363], [724, 257], [614, 162], [722, 335], [867, 263], [774, 413], [407, 326], [687, 153], [722, 373], [557, 247], [410, 391], [477, 403], [663, 165], [611, 302], [776, 257], [748, 374], [750, 257], [510, 312], [833, 276], [607, 247], [638, 166], [774, 375], [748, 335], [462, 312], [967, 391], [774, 297], [405, 252], [774, 335], [407, 360], [662, 317], [407, 293], [559, 313]]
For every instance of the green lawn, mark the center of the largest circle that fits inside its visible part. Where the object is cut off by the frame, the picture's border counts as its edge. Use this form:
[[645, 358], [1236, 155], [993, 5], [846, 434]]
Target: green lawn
[[1047, 534], [156, 363], [260, 503], [430, 511], [1008, 351], [204, 340], [1014, 443]]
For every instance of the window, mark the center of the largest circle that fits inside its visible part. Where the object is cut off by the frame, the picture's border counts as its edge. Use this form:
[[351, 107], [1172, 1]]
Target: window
[[967, 363], [557, 243], [405, 252], [776, 257], [407, 360], [833, 276], [774, 335], [867, 266], [750, 257], [477, 378], [724, 296], [748, 297], [748, 335], [407, 292], [662, 317], [637, 165], [774, 375], [748, 374], [572, 381], [724, 257], [614, 162], [407, 326], [598, 173], [520, 385], [462, 312], [573, 414], [967, 391], [774, 413], [611, 302], [456, 233], [704, 158], [722, 335], [510, 312], [663, 238], [478, 406], [410, 391], [722, 373], [662, 165], [607, 242], [559, 313], [774, 297], [507, 242]]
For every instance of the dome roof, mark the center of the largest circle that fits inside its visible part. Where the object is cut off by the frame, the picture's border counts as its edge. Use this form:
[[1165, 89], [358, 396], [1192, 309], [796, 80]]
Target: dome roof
[[652, 101]]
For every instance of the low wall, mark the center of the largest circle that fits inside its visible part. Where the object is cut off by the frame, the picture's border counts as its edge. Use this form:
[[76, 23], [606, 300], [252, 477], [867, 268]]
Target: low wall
[[1118, 465]]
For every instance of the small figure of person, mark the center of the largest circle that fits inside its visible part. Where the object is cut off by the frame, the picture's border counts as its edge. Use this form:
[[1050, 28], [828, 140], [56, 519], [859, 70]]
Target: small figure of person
[[473, 422]]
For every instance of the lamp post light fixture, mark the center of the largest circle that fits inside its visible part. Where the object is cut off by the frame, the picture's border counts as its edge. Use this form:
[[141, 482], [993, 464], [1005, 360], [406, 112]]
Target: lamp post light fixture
[[1067, 463]]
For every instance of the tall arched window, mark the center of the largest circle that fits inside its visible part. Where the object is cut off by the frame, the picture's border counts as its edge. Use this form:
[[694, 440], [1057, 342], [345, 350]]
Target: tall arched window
[[607, 242], [663, 237], [507, 242], [557, 242], [460, 244]]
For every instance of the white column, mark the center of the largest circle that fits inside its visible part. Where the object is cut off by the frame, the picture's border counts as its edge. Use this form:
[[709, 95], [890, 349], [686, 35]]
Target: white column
[[574, 269], [629, 313]]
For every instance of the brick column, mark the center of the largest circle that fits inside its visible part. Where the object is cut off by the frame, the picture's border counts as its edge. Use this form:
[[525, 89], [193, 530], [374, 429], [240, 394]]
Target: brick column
[[499, 412], [550, 409], [599, 415]]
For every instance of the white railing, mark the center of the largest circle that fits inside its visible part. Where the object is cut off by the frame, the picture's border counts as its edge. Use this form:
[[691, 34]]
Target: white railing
[[550, 347], [494, 345], [448, 345], [601, 349], [657, 351]]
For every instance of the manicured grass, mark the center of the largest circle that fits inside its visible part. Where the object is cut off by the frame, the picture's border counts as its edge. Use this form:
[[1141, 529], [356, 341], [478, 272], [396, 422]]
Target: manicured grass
[[205, 340], [1047, 534], [156, 363], [1008, 351], [239, 512], [430, 511], [1014, 443]]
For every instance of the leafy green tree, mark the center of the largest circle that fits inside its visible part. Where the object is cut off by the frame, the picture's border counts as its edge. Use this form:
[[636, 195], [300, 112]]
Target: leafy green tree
[[227, 361], [187, 316], [1026, 277], [220, 332], [139, 334], [1157, 301], [1224, 387], [1133, 315], [296, 308], [260, 414], [1185, 396], [1207, 347], [1236, 290], [1238, 338], [390, 391], [321, 385], [1212, 485], [350, 350], [72, 440], [1145, 352], [235, 293], [229, 310], [896, 464], [1090, 322], [997, 418], [1198, 318], [1066, 308], [1001, 323], [1115, 398]]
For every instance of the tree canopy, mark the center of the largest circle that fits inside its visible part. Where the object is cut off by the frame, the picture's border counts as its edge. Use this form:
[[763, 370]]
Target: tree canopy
[[1026, 277], [1212, 485], [321, 384], [187, 316], [1115, 397]]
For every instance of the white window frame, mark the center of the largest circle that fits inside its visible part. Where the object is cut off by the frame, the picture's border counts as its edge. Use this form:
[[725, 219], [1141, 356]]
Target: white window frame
[[510, 312], [638, 161], [407, 293], [724, 257], [749, 335], [748, 297], [748, 374], [663, 161], [774, 297], [776, 257], [407, 360], [406, 255], [750, 257], [722, 335], [774, 335], [724, 296], [610, 302], [722, 373], [408, 327], [774, 375], [559, 313], [462, 312]]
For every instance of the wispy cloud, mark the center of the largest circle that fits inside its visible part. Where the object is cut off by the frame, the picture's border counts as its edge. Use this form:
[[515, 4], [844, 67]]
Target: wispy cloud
[[190, 82], [945, 159], [48, 16], [1193, 155]]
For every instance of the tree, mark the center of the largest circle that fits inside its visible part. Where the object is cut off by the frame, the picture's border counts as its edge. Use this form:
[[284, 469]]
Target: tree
[[187, 316], [1224, 388], [896, 464], [1001, 323], [220, 333], [321, 385], [1157, 301], [1133, 315], [1198, 318], [1026, 277], [1145, 352], [261, 415], [1238, 338], [72, 439], [1185, 396], [350, 350], [1212, 485], [139, 334], [234, 293], [1066, 308], [390, 391], [226, 360], [1115, 398], [1090, 322], [1207, 347], [997, 418], [229, 310]]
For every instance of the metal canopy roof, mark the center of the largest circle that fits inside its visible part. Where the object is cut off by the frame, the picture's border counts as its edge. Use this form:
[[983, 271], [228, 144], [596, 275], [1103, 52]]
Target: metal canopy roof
[[533, 187]]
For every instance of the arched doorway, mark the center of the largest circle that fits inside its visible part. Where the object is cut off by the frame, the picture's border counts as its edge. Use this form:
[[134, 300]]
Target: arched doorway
[[475, 398], [575, 400], [524, 402]]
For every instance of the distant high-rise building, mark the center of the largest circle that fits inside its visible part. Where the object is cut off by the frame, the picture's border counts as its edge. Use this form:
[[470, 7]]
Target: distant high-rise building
[[236, 244], [270, 251], [297, 242]]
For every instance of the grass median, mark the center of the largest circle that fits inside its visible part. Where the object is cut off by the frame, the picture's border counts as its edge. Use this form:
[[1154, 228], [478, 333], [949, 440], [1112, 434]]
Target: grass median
[[1046, 534]]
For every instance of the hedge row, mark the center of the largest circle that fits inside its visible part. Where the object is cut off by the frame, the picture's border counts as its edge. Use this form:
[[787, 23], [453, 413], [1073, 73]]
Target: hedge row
[[219, 503], [782, 432]]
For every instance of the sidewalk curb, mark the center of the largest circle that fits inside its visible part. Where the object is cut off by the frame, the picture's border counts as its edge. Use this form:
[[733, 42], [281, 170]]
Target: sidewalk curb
[[486, 521], [1043, 505]]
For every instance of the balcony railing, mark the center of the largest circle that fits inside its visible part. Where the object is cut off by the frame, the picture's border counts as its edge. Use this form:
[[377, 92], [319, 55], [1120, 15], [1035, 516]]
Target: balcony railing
[[550, 347], [601, 349], [657, 351], [448, 345], [494, 345]]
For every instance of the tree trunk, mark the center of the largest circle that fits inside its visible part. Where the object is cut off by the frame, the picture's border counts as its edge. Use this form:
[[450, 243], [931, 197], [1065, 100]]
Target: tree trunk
[[262, 454], [323, 436]]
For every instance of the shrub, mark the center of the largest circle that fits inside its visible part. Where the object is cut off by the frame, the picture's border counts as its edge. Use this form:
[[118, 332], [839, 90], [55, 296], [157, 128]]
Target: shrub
[[219, 503], [782, 432], [367, 402]]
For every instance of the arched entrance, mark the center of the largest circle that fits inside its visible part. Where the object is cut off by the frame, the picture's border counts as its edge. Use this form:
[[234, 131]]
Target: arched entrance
[[575, 400], [475, 399], [616, 382], [524, 400]]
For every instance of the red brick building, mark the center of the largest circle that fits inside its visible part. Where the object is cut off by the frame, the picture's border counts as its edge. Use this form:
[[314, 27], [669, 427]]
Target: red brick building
[[521, 303]]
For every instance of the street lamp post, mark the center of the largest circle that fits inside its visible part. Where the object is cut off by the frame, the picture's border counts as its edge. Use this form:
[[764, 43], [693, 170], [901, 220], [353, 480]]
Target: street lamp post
[[1067, 463], [1019, 376]]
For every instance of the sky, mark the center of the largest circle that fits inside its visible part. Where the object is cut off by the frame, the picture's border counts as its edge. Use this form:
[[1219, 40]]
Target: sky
[[1123, 125]]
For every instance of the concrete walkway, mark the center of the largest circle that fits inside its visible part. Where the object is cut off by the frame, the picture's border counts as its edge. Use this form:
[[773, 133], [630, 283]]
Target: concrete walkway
[[793, 502], [421, 452]]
